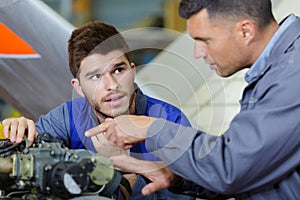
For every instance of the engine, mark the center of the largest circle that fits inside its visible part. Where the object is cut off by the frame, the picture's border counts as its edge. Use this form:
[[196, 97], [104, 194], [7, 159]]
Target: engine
[[48, 170]]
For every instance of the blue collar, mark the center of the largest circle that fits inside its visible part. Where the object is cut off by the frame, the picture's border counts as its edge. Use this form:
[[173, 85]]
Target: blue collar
[[260, 63]]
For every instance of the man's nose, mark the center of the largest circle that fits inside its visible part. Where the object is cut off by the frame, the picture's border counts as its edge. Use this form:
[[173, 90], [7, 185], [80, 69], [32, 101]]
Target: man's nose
[[199, 52], [110, 82]]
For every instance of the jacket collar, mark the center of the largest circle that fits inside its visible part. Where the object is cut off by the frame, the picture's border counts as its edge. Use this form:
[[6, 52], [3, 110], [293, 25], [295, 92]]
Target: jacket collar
[[280, 42]]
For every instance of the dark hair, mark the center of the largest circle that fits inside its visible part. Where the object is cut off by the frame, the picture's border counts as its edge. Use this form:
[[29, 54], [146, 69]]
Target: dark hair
[[260, 11], [94, 37]]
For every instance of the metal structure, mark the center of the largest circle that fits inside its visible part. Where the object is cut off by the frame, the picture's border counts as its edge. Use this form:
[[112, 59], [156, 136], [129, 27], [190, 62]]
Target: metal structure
[[34, 83]]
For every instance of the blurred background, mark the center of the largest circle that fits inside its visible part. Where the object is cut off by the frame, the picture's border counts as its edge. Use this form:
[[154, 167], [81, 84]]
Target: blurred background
[[126, 15], [161, 49]]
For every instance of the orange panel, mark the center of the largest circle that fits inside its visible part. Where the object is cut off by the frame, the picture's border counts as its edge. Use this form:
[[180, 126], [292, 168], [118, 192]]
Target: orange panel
[[10, 43]]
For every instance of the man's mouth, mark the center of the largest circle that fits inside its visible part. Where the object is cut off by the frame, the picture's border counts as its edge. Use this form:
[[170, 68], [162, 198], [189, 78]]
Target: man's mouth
[[213, 66], [114, 99]]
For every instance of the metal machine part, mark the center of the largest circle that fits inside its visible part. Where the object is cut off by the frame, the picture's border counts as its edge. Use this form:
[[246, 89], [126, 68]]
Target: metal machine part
[[48, 170]]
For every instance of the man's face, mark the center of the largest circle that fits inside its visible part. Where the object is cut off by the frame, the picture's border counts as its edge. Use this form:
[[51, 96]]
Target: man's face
[[107, 81], [219, 44]]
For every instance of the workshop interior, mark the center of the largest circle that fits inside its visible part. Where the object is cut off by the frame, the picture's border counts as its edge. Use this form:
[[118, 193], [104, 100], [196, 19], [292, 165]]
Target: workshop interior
[[34, 78]]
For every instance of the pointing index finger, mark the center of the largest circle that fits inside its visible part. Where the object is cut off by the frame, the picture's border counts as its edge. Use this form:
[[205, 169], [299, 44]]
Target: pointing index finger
[[101, 129]]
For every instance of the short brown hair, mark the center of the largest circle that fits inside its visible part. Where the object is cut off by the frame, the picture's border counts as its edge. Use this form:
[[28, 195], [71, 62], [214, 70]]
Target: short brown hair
[[86, 40]]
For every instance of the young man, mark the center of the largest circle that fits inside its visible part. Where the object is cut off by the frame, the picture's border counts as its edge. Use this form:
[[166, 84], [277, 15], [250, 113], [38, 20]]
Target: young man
[[99, 60], [258, 156]]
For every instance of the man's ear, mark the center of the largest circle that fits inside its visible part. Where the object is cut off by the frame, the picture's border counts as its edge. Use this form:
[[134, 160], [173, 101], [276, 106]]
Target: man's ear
[[76, 85], [247, 29], [133, 68]]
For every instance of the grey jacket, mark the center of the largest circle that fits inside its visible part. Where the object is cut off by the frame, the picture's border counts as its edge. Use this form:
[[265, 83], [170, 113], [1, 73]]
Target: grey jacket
[[258, 157]]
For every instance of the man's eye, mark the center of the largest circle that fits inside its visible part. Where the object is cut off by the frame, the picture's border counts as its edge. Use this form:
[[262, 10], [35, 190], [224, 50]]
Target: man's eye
[[118, 70], [95, 77]]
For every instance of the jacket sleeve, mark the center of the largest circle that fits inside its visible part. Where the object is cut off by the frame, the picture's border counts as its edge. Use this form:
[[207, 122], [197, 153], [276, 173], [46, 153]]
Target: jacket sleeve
[[180, 119], [184, 120], [261, 146], [56, 122], [174, 114]]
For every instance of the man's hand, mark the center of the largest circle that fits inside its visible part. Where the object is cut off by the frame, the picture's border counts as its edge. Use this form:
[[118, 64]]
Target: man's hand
[[161, 176], [123, 131], [16, 128], [104, 148]]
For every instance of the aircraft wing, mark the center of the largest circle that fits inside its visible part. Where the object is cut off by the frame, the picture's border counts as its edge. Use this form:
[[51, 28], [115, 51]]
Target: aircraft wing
[[34, 74]]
